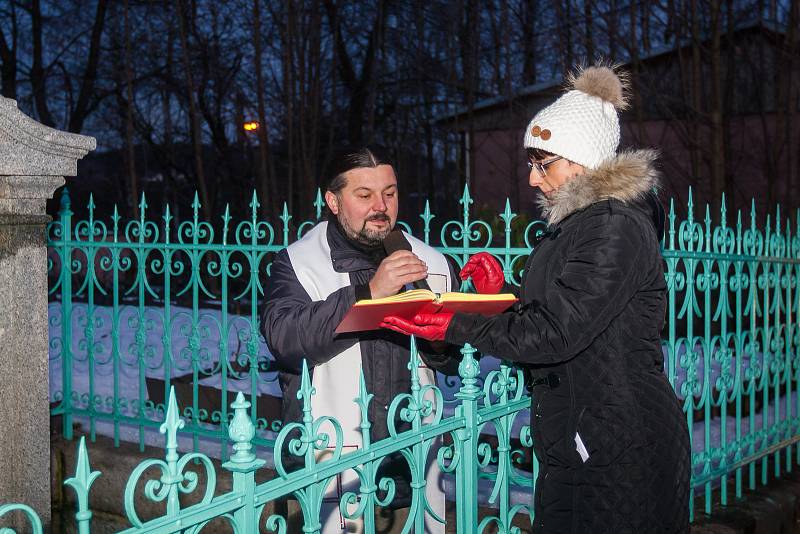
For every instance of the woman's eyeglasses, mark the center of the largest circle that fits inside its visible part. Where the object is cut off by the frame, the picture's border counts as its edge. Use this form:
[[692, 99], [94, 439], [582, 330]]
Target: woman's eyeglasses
[[541, 166]]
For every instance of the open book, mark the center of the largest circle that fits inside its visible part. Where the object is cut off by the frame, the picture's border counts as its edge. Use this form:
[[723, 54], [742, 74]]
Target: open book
[[368, 314]]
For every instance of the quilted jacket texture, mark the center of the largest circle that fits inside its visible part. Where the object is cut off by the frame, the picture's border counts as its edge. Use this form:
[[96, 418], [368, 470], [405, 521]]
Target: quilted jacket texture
[[592, 305], [296, 328]]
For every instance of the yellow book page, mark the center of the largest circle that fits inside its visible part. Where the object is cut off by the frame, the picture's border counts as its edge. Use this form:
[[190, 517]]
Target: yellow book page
[[423, 295], [407, 296], [475, 297]]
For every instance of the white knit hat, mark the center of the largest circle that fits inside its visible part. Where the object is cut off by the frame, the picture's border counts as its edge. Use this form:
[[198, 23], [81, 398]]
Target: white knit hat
[[582, 125]]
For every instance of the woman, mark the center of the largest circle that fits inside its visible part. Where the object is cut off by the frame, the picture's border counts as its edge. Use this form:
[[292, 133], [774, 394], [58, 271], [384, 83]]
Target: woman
[[609, 433]]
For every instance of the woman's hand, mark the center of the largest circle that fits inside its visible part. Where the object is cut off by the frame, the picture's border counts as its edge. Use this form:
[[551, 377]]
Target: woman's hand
[[430, 326], [486, 272]]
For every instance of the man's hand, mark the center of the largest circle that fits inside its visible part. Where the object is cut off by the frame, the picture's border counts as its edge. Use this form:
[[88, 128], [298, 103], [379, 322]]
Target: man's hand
[[395, 271], [430, 326], [486, 272]]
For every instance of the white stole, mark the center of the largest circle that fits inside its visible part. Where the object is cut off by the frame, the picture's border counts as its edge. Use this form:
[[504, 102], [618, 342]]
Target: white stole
[[336, 381]]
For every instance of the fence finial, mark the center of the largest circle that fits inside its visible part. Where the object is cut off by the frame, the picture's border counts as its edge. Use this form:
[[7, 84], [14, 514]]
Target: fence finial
[[319, 204], [172, 423], [91, 207], [426, 217], [241, 431], [469, 369], [254, 205], [81, 483], [65, 200], [305, 392], [466, 199], [142, 210], [226, 219]]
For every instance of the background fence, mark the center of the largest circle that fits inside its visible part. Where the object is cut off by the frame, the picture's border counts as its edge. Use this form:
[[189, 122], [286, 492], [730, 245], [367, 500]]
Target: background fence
[[144, 306]]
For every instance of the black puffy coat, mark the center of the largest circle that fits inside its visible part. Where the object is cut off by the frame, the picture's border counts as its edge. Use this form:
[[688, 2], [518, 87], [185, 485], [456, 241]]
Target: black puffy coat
[[592, 305], [295, 328]]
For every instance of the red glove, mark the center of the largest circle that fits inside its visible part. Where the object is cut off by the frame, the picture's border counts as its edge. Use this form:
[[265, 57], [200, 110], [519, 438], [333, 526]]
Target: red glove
[[430, 326], [487, 275]]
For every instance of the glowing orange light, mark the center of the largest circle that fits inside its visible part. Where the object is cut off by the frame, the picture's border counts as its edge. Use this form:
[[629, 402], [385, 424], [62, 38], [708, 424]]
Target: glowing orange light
[[250, 126]]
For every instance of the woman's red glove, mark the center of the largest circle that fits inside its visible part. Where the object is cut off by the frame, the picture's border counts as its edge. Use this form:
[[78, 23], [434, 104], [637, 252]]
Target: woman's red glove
[[430, 326], [486, 272]]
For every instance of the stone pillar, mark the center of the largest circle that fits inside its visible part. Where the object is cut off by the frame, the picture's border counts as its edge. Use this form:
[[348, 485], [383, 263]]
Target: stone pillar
[[33, 162]]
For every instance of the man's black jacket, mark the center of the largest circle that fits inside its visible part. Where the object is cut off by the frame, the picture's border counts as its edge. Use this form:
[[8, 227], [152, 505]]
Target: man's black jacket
[[294, 328]]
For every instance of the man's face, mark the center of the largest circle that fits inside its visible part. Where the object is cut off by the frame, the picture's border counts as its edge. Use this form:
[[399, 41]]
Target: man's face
[[367, 205]]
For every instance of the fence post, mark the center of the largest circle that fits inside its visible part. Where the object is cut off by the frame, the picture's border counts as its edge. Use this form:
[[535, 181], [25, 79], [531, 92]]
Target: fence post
[[466, 447], [65, 217], [243, 464], [33, 161]]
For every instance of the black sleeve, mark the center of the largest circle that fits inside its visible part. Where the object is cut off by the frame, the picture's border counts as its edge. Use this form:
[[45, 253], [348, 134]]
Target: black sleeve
[[295, 327], [510, 288], [444, 357], [598, 280]]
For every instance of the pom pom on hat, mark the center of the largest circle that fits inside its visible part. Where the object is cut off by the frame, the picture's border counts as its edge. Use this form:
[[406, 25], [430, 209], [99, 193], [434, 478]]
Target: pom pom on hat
[[601, 81], [582, 125]]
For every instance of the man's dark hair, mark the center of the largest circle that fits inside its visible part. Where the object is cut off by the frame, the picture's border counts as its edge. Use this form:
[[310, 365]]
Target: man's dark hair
[[349, 158]]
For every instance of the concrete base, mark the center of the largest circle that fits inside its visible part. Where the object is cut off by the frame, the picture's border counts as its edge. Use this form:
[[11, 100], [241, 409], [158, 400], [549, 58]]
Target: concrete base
[[24, 394], [771, 509]]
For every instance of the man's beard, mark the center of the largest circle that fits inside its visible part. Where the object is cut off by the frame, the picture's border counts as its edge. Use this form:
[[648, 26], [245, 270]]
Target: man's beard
[[364, 235]]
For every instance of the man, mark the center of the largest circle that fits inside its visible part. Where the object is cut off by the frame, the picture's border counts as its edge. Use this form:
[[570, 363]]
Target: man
[[315, 281]]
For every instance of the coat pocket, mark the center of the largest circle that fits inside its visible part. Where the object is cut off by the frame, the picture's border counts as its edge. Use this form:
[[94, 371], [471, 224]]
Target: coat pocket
[[552, 431], [606, 435]]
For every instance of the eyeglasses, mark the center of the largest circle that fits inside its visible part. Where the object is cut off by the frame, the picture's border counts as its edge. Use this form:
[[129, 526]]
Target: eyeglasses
[[541, 166]]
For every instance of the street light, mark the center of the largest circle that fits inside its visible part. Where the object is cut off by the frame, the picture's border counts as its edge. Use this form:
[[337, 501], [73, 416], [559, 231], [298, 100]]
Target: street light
[[250, 126]]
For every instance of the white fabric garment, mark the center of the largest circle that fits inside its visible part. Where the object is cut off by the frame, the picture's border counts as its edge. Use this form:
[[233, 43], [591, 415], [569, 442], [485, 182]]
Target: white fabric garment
[[336, 381]]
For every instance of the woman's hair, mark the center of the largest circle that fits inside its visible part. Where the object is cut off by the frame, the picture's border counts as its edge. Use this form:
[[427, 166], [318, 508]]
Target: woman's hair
[[538, 154], [349, 158]]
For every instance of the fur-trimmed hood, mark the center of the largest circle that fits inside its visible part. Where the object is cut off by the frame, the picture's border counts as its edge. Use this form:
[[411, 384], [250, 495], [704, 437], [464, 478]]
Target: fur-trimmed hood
[[627, 177]]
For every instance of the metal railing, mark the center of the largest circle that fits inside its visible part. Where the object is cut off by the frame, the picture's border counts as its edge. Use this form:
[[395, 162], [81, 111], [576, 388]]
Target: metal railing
[[140, 308], [496, 404]]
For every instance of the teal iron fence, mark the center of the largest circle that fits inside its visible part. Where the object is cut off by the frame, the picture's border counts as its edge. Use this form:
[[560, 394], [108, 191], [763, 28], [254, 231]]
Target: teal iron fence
[[732, 344], [464, 455], [140, 309], [137, 307]]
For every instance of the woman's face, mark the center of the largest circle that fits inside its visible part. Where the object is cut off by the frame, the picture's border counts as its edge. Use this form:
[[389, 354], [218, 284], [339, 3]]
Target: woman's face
[[557, 171]]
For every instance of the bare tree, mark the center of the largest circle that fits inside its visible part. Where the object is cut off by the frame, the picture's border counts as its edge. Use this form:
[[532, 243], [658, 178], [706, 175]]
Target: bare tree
[[194, 114], [718, 177], [183, 75], [130, 143], [360, 85], [88, 98], [266, 165]]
